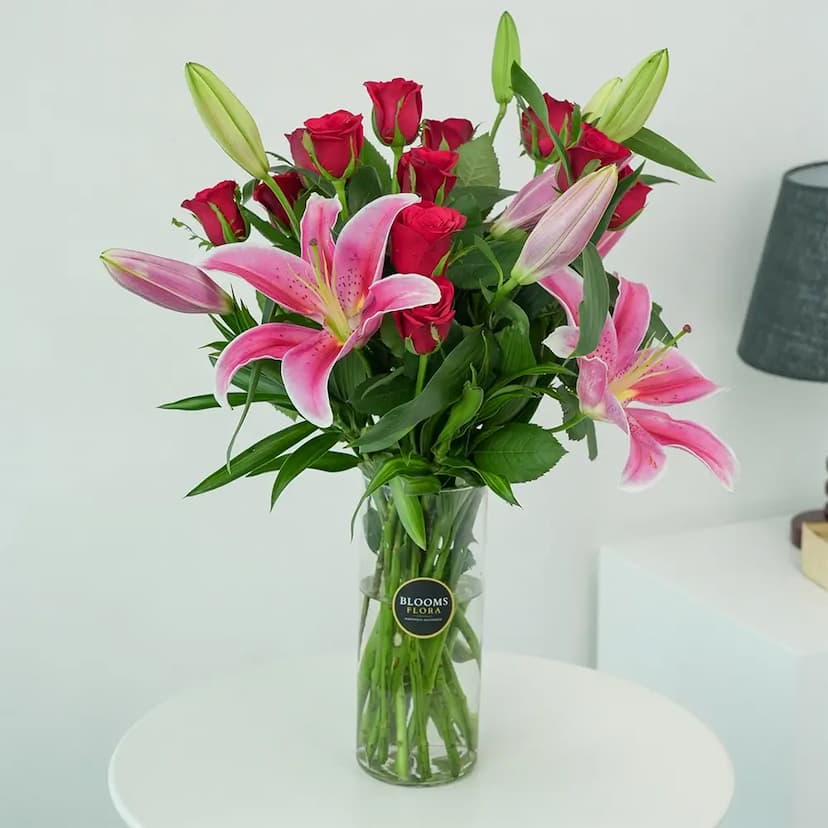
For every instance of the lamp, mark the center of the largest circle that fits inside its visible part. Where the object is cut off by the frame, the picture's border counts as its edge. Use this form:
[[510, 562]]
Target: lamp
[[786, 329]]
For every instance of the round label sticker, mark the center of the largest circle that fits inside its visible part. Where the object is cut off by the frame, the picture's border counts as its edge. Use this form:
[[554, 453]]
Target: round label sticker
[[423, 607]]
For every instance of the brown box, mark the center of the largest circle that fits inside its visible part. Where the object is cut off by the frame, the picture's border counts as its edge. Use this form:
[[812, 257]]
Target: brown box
[[815, 552]]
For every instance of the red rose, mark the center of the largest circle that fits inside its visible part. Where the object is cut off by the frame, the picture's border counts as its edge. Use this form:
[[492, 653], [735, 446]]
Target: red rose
[[337, 141], [453, 131], [297, 150], [224, 199], [593, 144], [398, 108], [632, 202], [290, 184], [428, 325], [427, 172], [540, 145], [421, 237]]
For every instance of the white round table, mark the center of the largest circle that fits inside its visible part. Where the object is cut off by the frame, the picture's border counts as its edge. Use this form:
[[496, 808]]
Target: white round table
[[560, 746]]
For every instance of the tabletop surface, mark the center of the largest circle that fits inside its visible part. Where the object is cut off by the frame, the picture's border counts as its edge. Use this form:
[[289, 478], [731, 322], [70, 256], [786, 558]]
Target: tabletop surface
[[560, 746], [749, 571]]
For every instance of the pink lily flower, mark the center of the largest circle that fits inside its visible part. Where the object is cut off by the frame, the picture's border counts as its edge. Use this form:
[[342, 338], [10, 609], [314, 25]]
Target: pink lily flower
[[566, 227], [336, 284], [172, 284], [619, 372]]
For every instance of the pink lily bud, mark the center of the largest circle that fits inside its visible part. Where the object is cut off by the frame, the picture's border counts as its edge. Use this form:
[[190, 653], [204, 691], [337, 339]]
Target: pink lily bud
[[566, 227], [166, 282], [529, 204]]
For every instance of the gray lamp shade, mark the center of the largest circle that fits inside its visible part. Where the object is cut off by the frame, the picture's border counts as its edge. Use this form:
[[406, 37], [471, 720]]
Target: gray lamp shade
[[786, 329]]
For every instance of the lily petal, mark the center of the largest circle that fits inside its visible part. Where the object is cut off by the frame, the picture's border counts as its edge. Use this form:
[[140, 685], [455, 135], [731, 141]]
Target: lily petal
[[631, 317], [318, 221], [673, 379], [646, 458], [596, 400], [690, 437], [568, 288], [283, 277], [530, 203], [400, 291], [360, 249], [270, 341], [305, 373], [563, 340], [566, 227]]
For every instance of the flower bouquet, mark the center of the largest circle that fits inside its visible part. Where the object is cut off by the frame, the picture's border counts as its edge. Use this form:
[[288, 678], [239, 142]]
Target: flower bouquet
[[410, 326]]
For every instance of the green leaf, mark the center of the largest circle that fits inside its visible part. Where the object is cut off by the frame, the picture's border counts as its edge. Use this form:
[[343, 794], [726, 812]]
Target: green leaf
[[363, 188], [205, 401], [258, 454], [500, 486], [461, 413], [474, 269], [518, 452], [651, 180], [371, 157], [266, 229], [657, 329], [347, 375], [441, 391], [592, 312], [333, 461], [378, 395], [649, 144], [483, 197], [304, 457], [478, 165], [409, 511], [418, 486]]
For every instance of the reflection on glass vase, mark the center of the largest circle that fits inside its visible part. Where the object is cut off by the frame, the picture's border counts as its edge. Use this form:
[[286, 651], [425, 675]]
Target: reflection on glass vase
[[420, 633]]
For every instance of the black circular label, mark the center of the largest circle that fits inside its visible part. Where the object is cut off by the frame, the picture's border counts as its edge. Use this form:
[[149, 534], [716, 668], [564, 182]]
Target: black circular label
[[423, 607]]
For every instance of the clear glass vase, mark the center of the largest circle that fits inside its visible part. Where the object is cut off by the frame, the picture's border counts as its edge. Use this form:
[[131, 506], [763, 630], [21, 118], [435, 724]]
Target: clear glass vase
[[420, 634]]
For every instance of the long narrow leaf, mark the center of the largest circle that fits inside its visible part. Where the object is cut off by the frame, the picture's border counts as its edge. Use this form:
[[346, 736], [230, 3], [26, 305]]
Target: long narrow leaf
[[333, 461], [592, 314], [271, 446], [203, 402], [649, 144], [409, 511], [301, 459]]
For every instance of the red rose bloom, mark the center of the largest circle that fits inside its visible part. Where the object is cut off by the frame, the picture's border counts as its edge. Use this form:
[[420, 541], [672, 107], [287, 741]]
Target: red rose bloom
[[398, 108], [427, 172], [297, 150], [593, 144], [428, 325], [632, 202], [337, 140], [421, 237], [541, 145], [453, 131], [224, 198], [290, 184]]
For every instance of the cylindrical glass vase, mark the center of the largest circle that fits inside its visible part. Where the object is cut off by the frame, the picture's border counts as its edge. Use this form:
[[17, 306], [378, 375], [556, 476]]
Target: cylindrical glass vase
[[420, 633]]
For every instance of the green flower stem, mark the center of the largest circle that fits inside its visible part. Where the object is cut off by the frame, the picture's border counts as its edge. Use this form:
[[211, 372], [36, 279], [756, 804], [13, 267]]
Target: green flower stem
[[395, 185], [339, 188], [503, 292], [422, 367], [501, 112], [286, 205], [465, 628], [569, 423]]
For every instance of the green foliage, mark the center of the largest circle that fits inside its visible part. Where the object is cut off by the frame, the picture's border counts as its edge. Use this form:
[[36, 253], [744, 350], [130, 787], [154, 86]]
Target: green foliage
[[205, 401], [592, 313], [478, 165], [303, 458], [364, 187], [257, 455], [649, 144], [518, 452], [371, 157], [441, 391]]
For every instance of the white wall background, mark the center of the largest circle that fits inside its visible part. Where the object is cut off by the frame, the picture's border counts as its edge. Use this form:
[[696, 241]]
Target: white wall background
[[114, 591]]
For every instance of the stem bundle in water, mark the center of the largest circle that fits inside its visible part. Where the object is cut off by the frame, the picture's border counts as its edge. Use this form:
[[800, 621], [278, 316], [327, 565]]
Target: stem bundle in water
[[418, 694]]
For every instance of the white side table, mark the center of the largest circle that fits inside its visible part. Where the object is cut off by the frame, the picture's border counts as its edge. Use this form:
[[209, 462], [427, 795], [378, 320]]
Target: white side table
[[723, 621], [561, 745]]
